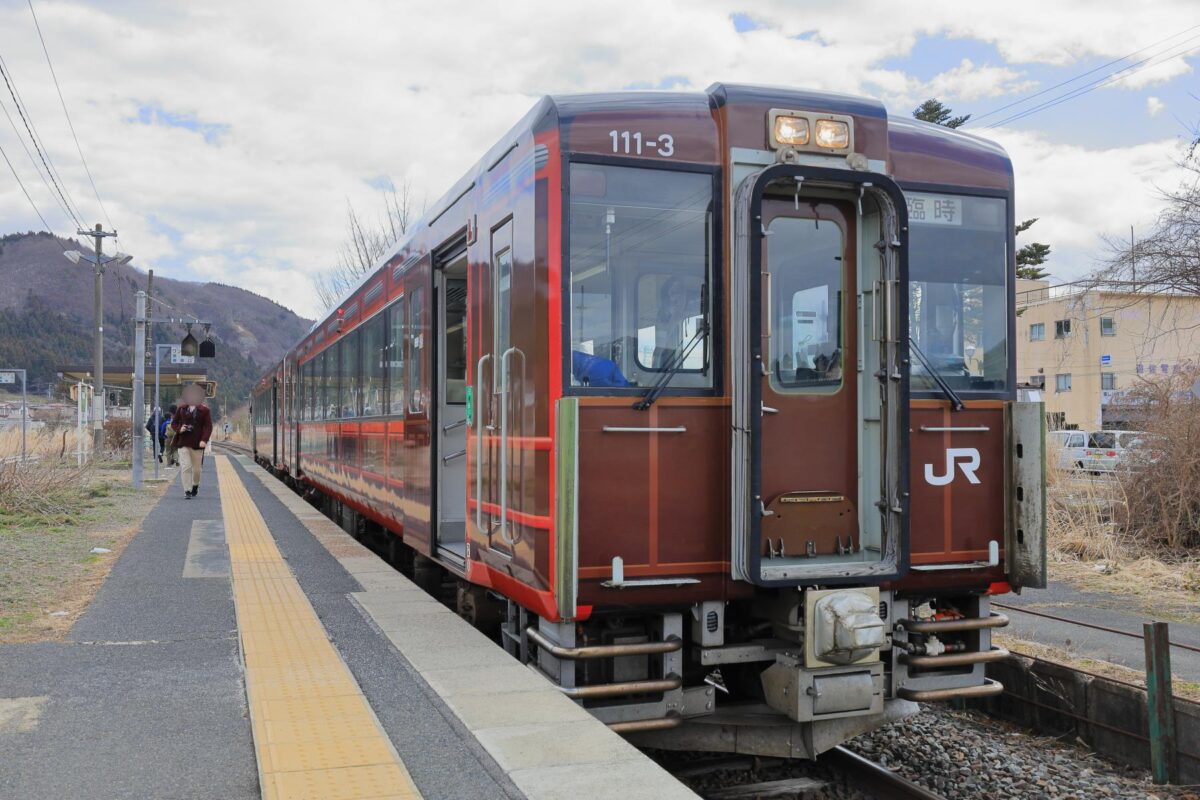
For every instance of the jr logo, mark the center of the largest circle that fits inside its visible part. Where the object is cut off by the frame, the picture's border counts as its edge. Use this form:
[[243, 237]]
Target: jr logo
[[967, 459]]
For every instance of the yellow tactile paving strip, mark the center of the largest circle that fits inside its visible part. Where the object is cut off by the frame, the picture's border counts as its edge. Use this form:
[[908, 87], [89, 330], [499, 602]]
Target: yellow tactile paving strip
[[314, 733]]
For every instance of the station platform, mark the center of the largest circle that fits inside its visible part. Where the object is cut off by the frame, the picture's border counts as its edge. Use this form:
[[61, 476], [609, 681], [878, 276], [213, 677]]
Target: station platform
[[245, 646]]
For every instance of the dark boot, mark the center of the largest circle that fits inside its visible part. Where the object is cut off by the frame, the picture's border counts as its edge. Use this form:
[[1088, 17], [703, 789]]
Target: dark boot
[[195, 490]]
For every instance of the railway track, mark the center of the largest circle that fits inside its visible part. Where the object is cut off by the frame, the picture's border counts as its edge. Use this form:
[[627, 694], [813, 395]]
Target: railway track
[[836, 775], [876, 779]]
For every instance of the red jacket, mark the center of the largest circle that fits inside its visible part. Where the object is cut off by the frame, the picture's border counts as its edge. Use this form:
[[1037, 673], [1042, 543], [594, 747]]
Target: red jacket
[[201, 422]]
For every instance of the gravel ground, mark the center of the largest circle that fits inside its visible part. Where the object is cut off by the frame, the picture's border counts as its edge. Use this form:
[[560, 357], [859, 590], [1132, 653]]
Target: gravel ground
[[962, 754]]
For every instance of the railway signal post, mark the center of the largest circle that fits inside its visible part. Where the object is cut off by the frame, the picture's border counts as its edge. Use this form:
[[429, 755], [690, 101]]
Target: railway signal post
[[9, 376]]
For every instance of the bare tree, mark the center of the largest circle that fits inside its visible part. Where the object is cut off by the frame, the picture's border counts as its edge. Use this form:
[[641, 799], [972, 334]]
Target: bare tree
[[366, 241], [1168, 258]]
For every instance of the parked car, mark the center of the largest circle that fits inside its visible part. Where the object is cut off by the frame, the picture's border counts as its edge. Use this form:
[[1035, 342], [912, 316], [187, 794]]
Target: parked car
[[1068, 447], [1107, 450]]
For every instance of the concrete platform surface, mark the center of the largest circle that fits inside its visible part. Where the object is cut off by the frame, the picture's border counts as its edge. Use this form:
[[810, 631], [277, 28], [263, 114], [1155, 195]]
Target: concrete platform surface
[[147, 696]]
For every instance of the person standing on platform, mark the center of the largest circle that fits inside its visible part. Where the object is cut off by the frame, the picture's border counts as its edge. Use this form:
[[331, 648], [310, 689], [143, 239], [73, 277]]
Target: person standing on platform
[[192, 424]]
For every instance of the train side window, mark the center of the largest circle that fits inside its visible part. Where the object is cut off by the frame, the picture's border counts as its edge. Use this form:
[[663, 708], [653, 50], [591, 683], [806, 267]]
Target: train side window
[[397, 317], [416, 383], [333, 381], [502, 310], [350, 375], [318, 400], [314, 388], [372, 366]]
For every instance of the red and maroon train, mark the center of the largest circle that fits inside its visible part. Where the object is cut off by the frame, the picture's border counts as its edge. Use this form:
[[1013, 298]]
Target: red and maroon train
[[708, 398]]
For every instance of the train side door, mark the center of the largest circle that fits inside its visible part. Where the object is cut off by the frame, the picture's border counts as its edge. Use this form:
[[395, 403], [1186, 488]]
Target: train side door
[[808, 494], [450, 462], [497, 367]]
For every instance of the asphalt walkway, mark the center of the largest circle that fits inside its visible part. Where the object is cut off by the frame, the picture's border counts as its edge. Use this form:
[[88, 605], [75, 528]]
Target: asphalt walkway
[[1097, 608], [146, 696], [359, 684]]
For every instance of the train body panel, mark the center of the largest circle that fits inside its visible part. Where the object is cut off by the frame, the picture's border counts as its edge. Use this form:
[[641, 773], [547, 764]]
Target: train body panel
[[672, 369]]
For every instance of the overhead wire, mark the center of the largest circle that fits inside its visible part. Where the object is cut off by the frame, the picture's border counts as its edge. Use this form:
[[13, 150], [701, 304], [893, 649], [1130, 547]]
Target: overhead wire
[[1099, 83], [33, 161], [67, 114], [39, 147], [21, 183], [976, 118]]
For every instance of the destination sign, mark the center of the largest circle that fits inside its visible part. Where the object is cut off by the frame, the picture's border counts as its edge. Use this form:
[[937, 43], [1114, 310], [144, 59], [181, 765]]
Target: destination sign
[[934, 209]]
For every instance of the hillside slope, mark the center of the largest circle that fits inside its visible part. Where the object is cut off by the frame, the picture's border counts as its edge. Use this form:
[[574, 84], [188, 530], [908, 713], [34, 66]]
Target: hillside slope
[[46, 315]]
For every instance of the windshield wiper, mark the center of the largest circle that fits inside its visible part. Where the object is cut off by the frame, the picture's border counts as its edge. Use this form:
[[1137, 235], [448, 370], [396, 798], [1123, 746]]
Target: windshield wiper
[[956, 403], [673, 367]]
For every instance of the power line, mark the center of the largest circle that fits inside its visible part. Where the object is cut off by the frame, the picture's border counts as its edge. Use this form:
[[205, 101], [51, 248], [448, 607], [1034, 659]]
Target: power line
[[36, 167], [29, 128], [20, 183], [67, 114], [975, 119], [1100, 83]]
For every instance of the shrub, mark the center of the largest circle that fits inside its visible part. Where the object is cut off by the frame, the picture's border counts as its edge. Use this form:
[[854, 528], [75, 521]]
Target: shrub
[[1160, 480]]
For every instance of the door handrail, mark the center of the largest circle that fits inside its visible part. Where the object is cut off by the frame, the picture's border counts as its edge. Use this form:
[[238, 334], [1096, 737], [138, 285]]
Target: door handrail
[[479, 441], [504, 394]]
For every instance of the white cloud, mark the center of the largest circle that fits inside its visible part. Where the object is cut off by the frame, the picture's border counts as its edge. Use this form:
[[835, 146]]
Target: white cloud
[[1154, 106], [968, 81], [228, 136], [1080, 195]]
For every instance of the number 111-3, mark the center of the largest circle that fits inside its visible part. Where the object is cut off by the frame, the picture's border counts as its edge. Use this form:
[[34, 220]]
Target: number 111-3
[[631, 143]]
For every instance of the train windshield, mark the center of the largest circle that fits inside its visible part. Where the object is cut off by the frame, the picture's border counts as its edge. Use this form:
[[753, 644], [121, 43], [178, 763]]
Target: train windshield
[[640, 262], [958, 295]]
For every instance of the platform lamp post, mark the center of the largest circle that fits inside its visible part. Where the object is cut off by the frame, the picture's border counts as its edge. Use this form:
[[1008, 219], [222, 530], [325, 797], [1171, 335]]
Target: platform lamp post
[[99, 263], [141, 319]]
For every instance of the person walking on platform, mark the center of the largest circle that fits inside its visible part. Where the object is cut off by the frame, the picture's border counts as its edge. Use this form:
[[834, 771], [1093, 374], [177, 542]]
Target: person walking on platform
[[193, 429], [168, 439]]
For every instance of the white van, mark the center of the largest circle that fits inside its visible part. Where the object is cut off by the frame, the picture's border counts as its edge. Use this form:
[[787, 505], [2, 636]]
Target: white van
[[1068, 447], [1107, 450]]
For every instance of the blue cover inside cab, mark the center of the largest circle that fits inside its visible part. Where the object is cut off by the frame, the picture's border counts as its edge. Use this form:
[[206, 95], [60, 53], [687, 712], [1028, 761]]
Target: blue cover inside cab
[[595, 371]]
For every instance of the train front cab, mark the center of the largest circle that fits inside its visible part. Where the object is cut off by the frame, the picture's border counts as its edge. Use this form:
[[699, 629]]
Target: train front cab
[[858, 508]]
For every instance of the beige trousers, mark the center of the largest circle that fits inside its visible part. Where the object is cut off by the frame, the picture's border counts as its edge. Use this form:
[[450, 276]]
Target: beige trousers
[[190, 466]]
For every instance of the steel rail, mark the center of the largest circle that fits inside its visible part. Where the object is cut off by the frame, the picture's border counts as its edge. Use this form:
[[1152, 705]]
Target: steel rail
[[1093, 626], [874, 777]]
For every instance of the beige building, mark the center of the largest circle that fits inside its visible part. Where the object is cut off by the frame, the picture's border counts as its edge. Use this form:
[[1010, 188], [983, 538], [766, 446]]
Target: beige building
[[1086, 346]]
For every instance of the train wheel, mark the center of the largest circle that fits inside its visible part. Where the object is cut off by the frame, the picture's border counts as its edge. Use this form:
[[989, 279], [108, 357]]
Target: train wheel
[[476, 607], [427, 574]]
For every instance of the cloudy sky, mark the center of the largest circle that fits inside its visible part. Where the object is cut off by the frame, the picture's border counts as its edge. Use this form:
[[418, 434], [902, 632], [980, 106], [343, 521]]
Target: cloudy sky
[[226, 138]]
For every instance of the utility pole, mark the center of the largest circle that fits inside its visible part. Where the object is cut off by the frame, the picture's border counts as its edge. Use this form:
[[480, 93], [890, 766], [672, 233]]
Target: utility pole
[[139, 390], [98, 397], [149, 302]]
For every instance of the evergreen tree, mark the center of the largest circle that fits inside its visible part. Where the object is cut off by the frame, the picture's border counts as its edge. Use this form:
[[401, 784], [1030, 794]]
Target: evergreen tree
[[933, 110], [1030, 257]]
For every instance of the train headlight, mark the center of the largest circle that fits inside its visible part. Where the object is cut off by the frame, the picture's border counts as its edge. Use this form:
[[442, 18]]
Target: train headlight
[[790, 130], [833, 134]]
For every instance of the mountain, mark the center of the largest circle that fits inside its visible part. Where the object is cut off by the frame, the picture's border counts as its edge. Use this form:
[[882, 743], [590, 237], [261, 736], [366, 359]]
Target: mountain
[[47, 318]]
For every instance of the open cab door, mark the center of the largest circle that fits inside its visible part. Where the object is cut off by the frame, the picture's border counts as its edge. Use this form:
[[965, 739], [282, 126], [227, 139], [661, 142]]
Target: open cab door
[[820, 386]]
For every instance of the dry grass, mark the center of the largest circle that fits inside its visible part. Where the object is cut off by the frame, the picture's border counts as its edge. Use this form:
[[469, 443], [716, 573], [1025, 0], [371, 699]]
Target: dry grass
[[48, 574], [42, 491], [47, 442], [1068, 657], [1094, 545]]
